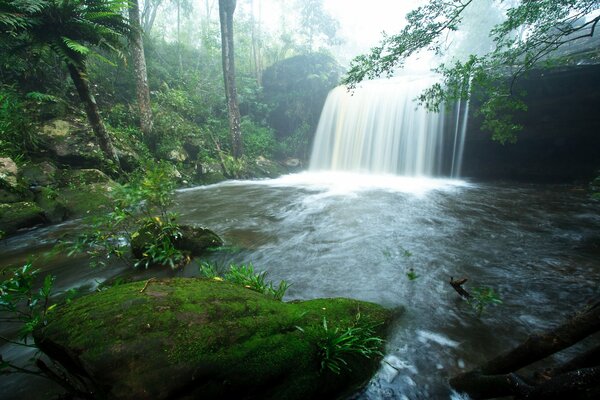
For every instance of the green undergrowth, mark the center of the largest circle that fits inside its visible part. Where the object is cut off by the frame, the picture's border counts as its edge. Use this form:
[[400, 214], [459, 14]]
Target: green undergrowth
[[237, 342]]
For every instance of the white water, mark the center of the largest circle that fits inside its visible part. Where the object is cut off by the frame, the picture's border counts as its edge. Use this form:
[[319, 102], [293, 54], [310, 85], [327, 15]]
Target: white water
[[380, 129]]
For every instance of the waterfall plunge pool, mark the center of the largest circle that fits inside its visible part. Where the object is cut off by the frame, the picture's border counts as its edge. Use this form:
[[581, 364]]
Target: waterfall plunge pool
[[351, 235]]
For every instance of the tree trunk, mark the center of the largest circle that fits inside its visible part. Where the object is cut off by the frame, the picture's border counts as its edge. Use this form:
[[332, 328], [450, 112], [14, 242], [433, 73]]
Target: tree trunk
[[226, 9], [496, 378], [141, 75], [91, 109], [255, 33], [179, 37]]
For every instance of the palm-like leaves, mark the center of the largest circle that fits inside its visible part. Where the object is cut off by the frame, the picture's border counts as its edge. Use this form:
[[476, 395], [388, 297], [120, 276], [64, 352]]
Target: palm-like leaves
[[69, 27]]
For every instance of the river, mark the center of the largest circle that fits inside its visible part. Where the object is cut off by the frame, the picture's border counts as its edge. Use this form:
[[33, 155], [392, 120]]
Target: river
[[358, 236]]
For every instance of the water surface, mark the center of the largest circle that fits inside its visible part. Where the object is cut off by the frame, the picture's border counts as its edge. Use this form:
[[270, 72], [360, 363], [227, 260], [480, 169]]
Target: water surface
[[358, 235]]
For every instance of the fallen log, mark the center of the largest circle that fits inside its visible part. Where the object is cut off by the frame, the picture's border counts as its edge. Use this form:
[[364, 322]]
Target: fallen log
[[457, 285], [497, 377]]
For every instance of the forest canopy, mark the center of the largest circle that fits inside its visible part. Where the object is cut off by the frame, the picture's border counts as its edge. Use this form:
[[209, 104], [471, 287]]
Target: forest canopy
[[528, 37]]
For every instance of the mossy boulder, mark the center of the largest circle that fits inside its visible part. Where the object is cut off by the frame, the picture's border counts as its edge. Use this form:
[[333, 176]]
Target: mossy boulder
[[39, 174], [8, 173], [84, 192], [71, 142], [204, 339], [85, 200], [194, 240], [15, 216], [54, 208]]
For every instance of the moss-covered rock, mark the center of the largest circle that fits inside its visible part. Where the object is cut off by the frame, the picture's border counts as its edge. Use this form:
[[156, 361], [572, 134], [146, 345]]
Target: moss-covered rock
[[83, 192], [84, 200], [39, 174], [194, 240], [54, 208], [8, 173], [85, 176], [196, 338], [71, 142], [15, 216]]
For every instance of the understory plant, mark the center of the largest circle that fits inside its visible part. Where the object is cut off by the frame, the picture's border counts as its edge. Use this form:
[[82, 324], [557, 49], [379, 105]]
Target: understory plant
[[22, 304], [483, 297], [246, 276], [337, 345], [27, 302], [141, 219]]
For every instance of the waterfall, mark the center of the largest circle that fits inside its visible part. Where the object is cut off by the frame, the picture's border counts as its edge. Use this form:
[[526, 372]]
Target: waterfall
[[380, 129]]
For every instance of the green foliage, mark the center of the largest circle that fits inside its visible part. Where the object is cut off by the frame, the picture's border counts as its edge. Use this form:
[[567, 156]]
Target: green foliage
[[21, 302], [246, 276], [234, 167], [595, 188], [258, 140], [337, 345], [528, 38], [140, 213], [411, 274], [482, 298], [296, 89], [17, 121], [67, 27]]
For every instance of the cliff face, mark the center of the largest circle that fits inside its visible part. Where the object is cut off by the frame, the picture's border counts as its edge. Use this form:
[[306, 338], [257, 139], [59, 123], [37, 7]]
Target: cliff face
[[561, 137]]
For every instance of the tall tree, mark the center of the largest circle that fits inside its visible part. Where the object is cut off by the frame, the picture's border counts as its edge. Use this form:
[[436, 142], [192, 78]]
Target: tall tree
[[255, 26], [528, 38], [68, 27], [226, 10], [316, 24], [149, 14], [136, 44]]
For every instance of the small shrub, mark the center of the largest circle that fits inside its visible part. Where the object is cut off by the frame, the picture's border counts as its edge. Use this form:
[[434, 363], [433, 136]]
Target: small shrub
[[258, 140], [482, 298], [141, 215], [20, 302], [246, 276], [337, 345], [411, 274]]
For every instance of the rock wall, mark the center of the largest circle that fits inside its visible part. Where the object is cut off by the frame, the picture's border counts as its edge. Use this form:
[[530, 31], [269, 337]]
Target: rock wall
[[561, 137]]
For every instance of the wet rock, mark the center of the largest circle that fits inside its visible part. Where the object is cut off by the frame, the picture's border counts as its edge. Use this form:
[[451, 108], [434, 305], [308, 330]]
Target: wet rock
[[86, 199], [211, 173], [8, 173], [292, 163], [178, 155], [195, 338], [39, 174], [54, 208], [86, 176], [15, 216], [194, 240], [265, 168], [71, 142]]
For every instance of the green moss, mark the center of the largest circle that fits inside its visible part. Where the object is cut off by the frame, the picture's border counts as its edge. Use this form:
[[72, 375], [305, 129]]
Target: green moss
[[216, 339], [53, 206], [14, 216], [83, 200]]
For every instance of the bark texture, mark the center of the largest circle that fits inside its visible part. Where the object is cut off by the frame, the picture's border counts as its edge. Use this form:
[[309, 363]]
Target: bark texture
[[91, 109], [226, 10], [579, 378], [141, 75]]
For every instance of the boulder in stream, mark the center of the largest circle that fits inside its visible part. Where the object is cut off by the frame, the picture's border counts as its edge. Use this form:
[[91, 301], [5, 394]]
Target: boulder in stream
[[194, 240], [15, 216], [189, 338]]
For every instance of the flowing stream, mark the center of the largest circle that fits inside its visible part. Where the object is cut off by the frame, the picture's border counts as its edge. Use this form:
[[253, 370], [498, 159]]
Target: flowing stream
[[357, 236]]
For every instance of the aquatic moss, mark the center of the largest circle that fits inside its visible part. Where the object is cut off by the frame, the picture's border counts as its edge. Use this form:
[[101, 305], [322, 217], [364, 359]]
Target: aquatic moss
[[211, 339]]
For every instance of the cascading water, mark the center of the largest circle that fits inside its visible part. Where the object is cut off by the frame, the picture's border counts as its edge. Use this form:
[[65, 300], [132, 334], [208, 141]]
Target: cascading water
[[380, 129]]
